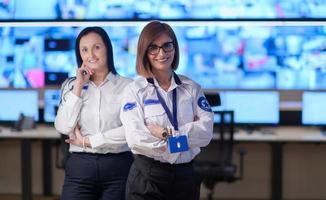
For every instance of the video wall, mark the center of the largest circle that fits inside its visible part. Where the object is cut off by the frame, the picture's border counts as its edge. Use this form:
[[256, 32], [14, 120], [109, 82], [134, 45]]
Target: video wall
[[223, 56], [217, 57], [160, 9]]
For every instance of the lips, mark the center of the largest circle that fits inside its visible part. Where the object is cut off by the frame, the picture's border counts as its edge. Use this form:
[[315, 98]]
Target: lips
[[162, 60], [92, 61]]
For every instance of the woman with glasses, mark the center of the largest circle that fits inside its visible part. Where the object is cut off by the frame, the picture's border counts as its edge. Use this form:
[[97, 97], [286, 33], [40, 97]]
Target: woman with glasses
[[99, 163], [166, 119]]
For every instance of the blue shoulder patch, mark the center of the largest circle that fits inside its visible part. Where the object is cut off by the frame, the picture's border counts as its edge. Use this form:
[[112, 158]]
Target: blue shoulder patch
[[129, 106], [85, 87], [203, 104], [151, 101]]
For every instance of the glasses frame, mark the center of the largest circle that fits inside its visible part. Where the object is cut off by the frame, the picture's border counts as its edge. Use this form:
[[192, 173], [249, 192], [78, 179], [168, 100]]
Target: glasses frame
[[160, 47]]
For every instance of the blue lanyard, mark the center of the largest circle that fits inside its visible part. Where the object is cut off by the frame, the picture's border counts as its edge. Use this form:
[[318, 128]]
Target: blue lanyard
[[173, 119]]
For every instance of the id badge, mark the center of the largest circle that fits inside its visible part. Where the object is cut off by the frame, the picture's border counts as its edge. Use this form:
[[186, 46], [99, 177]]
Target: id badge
[[178, 144]]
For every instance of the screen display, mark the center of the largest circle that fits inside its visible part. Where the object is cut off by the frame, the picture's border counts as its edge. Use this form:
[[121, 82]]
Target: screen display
[[15, 102], [160, 9], [217, 57], [313, 104], [51, 103], [251, 107]]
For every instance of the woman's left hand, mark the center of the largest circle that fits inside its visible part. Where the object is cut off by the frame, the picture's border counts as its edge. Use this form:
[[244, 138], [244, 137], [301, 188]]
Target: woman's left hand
[[156, 130], [77, 139]]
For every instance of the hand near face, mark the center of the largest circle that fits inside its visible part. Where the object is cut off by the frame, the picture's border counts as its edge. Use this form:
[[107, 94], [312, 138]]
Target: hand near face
[[83, 74]]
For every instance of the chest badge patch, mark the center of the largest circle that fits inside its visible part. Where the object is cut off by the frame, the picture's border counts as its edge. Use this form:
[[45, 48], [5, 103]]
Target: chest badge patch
[[129, 106]]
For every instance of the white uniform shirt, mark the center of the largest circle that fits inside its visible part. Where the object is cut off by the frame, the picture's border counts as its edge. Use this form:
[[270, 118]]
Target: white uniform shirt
[[97, 113], [141, 106]]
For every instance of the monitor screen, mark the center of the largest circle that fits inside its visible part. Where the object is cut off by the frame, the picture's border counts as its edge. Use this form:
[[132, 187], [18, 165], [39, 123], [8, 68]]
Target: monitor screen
[[51, 103], [313, 112], [217, 57], [7, 9], [15, 102], [159, 9], [252, 107]]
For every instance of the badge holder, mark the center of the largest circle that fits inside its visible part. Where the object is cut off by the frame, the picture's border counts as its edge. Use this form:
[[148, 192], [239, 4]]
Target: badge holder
[[177, 143]]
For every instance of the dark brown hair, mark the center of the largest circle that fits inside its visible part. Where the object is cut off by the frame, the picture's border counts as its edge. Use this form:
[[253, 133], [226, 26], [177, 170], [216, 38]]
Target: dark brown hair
[[151, 31], [107, 42]]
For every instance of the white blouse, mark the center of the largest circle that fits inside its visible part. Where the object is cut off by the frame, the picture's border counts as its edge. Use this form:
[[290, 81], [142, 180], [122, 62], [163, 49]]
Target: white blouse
[[97, 112]]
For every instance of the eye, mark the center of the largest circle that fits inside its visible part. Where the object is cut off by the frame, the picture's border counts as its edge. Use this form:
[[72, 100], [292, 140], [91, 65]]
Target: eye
[[83, 50], [152, 47], [168, 45], [97, 47]]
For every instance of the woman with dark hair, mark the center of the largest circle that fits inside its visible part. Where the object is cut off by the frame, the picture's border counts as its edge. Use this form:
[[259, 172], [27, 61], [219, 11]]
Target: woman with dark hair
[[166, 119], [98, 165]]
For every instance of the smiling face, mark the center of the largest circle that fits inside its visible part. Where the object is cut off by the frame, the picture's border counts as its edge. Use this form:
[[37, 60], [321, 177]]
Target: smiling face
[[93, 52], [161, 54]]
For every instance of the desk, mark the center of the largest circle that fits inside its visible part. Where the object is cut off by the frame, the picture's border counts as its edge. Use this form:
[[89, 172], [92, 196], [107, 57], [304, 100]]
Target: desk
[[277, 137], [44, 133], [280, 136]]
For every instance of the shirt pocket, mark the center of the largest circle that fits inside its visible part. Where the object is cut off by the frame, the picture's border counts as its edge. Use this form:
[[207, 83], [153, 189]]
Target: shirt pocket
[[154, 114]]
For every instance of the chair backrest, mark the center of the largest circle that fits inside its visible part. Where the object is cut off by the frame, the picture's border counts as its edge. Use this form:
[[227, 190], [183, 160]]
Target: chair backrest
[[224, 135], [62, 152], [220, 150], [62, 149]]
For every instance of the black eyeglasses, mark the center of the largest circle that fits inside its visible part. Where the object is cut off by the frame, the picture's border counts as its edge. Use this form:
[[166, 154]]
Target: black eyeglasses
[[154, 49]]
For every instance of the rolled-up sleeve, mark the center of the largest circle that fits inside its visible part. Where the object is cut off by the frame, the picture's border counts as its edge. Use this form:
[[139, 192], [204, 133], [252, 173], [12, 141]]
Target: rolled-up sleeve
[[113, 139]]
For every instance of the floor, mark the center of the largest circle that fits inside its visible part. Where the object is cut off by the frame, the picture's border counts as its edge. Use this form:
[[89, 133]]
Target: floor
[[35, 197], [38, 197]]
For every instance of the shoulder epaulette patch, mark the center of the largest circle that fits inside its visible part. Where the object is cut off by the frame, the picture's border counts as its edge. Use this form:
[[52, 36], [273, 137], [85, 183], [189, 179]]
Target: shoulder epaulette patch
[[203, 104]]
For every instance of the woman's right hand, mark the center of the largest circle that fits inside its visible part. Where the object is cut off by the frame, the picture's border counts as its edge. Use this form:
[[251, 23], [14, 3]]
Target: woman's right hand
[[83, 74]]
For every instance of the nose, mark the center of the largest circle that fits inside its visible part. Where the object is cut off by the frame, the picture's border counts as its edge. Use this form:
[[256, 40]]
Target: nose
[[91, 54], [161, 51]]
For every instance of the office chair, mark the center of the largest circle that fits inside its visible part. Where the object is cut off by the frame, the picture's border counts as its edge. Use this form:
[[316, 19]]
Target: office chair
[[62, 152], [220, 167], [62, 149]]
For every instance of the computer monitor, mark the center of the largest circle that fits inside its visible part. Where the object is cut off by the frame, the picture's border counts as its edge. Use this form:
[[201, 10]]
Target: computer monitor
[[51, 102], [252, 107], [15, 102], [313, 104]]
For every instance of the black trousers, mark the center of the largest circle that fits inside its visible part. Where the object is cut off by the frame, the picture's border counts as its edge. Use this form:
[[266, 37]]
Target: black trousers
[[96, 176], [152, 180]]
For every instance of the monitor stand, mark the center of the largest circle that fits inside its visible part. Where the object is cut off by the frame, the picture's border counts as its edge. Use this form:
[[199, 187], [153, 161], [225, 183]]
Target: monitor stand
[[250, 128]]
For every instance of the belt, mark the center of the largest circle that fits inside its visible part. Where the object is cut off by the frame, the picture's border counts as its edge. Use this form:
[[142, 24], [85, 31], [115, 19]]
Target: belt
[[150, 161]]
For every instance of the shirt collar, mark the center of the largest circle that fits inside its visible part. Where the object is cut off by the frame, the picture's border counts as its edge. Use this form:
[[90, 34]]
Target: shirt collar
[[109, 77], [175, 81]]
